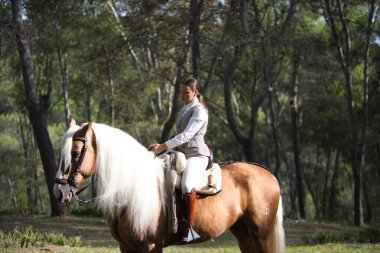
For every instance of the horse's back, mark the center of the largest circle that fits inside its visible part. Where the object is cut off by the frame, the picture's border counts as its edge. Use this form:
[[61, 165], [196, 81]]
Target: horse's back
[[259, 184], [253, 177]]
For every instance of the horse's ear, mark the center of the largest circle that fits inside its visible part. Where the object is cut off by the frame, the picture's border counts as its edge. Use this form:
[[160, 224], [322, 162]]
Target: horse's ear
[[89, 127], [72, 122]]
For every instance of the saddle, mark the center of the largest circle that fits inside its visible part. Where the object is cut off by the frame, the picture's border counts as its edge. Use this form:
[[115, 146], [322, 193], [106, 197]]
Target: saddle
[[209, 184], [175, 164]]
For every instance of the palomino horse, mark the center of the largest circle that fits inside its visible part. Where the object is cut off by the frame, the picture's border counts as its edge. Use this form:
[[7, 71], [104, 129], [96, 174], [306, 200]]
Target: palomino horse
[[130, 183]]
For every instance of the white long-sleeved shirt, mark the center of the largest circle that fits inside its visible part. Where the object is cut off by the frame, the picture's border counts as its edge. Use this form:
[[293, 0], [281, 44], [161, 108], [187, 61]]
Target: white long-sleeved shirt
[[196, 121]]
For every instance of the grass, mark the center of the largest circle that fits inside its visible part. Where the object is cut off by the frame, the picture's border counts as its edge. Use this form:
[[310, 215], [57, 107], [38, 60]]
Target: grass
[[25, 237], [336, 248], [328, 248], [93, 231], [56, 249], [90, 234]]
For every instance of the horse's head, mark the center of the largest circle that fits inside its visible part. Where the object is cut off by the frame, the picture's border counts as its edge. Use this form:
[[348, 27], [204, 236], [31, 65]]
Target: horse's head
[[79, 165]]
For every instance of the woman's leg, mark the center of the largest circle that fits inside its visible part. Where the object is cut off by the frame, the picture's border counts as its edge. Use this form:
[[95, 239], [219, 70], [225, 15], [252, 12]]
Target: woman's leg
[[193, 172]]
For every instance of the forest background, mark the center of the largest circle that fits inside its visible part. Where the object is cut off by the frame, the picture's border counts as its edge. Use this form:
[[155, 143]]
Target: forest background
[[293, 85]]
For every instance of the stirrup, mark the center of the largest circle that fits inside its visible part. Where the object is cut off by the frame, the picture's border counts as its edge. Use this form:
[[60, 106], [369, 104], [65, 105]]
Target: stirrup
[[191, 235]]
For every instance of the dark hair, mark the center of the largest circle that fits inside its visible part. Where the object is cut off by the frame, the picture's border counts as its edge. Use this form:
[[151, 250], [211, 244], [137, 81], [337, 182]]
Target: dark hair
[[194, 86]]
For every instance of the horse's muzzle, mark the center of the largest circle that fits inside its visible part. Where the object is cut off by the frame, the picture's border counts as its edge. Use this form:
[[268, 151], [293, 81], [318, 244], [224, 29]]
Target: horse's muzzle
[[62, 192]]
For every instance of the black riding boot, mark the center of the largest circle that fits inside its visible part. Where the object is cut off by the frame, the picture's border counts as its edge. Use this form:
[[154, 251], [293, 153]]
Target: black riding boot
[[189, 233]]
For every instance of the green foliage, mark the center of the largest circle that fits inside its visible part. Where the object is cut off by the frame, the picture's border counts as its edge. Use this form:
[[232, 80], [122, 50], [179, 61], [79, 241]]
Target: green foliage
[[366, 235], [125, 68], [25, 237]]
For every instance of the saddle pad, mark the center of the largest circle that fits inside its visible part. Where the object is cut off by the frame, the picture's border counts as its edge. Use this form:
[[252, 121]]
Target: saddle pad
[[210, 182]]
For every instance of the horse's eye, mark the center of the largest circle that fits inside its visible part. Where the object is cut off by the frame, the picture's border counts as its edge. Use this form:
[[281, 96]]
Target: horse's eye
[[75, 154]]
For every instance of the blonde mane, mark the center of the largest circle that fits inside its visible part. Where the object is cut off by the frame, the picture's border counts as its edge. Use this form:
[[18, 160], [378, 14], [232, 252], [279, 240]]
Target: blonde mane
[[66, 144], [129, 178]]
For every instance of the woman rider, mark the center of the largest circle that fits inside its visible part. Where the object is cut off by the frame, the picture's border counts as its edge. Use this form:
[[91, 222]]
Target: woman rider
[[191, 128]]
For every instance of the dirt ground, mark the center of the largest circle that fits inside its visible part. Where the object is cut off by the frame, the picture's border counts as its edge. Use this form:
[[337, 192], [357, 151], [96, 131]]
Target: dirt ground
[[94, 231]]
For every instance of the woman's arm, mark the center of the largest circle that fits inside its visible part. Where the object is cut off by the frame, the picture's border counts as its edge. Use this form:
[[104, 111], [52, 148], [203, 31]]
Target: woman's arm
[[197, 120]]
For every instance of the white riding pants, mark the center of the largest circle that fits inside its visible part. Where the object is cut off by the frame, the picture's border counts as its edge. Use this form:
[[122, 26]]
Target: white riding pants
[[193, 172]]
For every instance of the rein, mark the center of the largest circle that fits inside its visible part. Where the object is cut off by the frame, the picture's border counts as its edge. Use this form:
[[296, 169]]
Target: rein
[[75, 194], [75, 191]]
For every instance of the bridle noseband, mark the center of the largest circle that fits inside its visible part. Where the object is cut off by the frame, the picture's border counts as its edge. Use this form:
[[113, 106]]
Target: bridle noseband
[[71, 180]]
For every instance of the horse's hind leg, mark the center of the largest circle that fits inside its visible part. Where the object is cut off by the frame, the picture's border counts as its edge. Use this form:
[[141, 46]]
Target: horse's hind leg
[[248, 239]]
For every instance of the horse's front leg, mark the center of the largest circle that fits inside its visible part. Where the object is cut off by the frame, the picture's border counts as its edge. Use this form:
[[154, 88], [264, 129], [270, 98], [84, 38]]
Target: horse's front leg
[[124, 249], [148, 248], [152, 248]]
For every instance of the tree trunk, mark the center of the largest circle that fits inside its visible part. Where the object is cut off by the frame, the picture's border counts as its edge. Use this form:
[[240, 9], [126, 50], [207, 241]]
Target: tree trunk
[[270, 71], [342, 40], [28, 166], [325, 186], [250, 152], [173, 112], [295, 135], [368, 204], [216, 55], [12, 193], [120, 28], [370, 23], [88, 99], [377, 151], [62, 68], [195, 11], [333, 190], [181, 63], [33, 168], [314, 197], [292, 184], [256, 103], [111, 92], [240, 136], [35, 115], [275, 133]]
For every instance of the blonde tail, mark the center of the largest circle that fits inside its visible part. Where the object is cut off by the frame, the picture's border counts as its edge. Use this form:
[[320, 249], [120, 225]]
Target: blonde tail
[[277, 237]]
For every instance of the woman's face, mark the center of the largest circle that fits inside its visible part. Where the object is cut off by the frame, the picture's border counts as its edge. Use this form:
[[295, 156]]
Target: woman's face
[[187, 94]]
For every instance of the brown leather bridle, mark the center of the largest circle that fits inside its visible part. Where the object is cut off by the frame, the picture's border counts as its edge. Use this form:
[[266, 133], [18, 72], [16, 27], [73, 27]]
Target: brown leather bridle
[[71, 180]]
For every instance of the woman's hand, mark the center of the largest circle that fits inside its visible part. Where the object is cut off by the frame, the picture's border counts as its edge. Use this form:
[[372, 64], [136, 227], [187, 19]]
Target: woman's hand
[[158, 148]]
